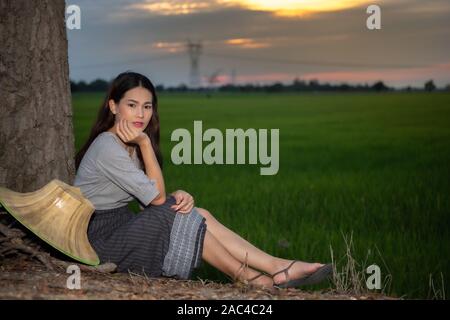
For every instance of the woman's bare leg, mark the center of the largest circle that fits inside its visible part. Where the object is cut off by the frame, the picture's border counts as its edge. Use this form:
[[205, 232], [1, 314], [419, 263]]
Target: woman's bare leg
[[217, 255], [241, 249]]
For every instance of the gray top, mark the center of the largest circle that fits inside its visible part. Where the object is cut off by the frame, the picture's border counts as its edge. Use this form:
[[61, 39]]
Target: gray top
[[110, 178]]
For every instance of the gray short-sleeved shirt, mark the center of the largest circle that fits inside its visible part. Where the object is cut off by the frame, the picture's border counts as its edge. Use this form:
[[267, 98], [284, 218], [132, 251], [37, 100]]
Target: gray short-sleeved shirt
[[110, 178]]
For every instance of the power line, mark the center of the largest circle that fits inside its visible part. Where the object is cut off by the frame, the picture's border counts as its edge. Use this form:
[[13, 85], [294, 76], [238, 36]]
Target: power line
[[312, 62], [254, 59], [131, 61]]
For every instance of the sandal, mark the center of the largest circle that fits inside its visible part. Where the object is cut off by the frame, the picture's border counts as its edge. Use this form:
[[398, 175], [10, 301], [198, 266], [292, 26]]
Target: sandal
[[318, 276], [248, 281]]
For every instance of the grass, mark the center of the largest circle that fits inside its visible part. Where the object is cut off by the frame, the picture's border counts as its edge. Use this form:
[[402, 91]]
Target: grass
[[376, 166], [352, 277]]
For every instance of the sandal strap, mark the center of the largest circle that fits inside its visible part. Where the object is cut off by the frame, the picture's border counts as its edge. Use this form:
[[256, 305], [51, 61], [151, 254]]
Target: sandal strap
[[238, 272], [256, 277], [285, 270]]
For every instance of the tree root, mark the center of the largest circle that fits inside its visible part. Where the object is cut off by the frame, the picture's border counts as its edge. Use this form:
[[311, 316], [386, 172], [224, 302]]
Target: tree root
[[14, 242]]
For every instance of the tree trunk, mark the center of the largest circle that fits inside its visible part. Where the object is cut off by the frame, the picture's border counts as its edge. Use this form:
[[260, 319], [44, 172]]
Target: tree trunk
[[36, 133]]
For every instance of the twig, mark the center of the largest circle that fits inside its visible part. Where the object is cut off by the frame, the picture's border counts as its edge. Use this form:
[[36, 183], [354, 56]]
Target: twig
[[11, 233], [102, 268], [13, 242], [17, 243]]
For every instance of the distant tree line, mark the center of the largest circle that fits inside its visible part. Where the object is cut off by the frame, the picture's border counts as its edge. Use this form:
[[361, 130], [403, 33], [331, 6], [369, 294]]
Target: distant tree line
[[296, 86], [94, 86]]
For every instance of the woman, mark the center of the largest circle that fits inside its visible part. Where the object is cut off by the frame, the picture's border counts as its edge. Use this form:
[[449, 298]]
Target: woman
[[121, 161]]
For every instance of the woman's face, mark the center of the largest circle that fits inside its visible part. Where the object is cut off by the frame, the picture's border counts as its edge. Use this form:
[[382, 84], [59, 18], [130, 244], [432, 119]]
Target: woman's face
[[135, 106]]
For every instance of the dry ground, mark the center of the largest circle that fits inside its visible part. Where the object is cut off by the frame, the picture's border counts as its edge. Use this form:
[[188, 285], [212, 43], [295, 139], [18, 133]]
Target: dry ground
[[29, 269], [26, 278]]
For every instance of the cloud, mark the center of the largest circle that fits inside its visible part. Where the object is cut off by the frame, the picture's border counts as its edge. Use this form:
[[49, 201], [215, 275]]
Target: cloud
[[246, 43], [177, 7], [286, 8], [242, 39]]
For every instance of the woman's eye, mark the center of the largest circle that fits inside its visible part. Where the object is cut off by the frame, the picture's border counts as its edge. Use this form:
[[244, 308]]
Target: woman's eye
[[148, 107], [131, 105]]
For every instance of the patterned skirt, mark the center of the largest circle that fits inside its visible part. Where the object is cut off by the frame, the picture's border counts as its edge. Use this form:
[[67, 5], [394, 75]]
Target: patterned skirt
[[156, 241]]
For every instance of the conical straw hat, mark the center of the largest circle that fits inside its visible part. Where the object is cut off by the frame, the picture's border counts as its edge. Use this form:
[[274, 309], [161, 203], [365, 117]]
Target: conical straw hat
[[57, 213]]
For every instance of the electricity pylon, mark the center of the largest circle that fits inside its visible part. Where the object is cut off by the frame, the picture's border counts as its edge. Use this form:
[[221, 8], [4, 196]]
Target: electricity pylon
[[194, 49]]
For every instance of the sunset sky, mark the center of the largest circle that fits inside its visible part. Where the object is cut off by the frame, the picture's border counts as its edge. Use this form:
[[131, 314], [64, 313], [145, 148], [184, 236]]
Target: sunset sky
[[252, 41]]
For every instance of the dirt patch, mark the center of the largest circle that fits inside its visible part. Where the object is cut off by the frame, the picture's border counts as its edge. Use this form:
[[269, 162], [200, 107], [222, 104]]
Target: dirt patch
[[25, 278]]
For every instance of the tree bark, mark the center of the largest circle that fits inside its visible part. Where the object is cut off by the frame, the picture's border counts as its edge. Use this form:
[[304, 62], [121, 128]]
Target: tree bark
[[36, 132]]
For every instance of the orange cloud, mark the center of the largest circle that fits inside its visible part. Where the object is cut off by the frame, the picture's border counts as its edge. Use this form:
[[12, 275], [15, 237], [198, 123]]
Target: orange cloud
[[288, 8], [438, 71], [171, 7], [169, 46], [246, 43], [296, 8]]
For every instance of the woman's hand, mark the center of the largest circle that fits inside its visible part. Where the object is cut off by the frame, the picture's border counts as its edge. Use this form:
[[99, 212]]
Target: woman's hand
[[128, 134], [185, 202]]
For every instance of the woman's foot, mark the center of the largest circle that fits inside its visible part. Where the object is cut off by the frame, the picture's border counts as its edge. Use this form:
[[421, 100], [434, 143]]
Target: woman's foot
[[261, 280], [254, 278], [288, 270]]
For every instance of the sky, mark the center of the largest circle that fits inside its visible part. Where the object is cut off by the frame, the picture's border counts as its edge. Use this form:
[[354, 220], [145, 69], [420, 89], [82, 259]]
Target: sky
[[263, 41]]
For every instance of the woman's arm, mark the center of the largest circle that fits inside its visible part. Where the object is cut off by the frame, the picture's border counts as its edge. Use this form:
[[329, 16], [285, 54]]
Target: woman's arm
[[153, 170], [128, 135]]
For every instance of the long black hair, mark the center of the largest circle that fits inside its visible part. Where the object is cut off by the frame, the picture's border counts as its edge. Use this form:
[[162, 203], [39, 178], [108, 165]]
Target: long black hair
[[105, 118]]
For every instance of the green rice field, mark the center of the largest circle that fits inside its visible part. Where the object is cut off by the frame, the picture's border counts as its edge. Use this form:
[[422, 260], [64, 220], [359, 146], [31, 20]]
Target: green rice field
[[372, 166]]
